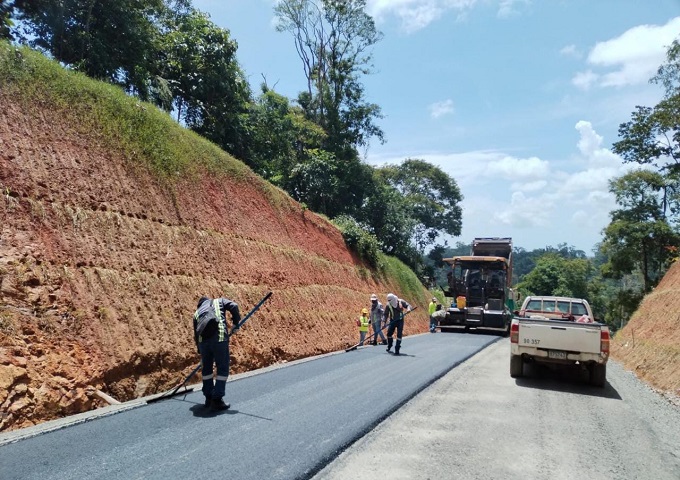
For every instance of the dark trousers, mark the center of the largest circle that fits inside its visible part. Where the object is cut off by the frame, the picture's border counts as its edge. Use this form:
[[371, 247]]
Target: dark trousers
[[217, 353], [399, 327]]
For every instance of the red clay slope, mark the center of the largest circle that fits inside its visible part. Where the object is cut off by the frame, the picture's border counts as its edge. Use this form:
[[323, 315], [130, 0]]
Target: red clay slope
[[649, 344], [101, 265]]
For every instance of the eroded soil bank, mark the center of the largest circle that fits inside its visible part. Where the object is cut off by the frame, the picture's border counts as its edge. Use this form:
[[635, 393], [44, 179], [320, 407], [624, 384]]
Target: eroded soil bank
[[101, 264]]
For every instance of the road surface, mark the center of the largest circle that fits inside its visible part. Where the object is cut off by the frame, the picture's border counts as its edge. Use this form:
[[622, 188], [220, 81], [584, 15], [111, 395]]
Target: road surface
[[285, 423], [477, 422]]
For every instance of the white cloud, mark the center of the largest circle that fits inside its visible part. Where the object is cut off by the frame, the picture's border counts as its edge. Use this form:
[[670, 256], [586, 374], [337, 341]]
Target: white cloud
[[536, 201], [631, 58], [418, 14], [440, 109], [525, 211], [527, 168], [506, 8], [571, 51], [590, 146], [529, 186], [584, 80]]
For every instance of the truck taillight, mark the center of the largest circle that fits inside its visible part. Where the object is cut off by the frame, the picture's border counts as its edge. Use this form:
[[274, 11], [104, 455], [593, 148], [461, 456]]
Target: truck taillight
[[514, 333], [604, 342]]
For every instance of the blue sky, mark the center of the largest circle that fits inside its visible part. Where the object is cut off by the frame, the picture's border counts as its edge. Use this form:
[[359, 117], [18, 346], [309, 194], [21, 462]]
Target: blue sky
[[518, 100]]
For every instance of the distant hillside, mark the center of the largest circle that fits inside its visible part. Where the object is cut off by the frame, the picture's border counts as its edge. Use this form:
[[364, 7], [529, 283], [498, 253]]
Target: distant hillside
[[115, 220], [649, 344]]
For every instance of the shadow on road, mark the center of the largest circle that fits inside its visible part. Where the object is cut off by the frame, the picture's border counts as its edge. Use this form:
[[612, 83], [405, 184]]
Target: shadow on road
[[199, 410], [569, 380]]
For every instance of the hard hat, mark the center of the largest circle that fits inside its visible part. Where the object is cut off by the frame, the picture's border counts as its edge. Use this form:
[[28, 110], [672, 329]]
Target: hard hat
[[374, 297], [364, 310], [434, 299]]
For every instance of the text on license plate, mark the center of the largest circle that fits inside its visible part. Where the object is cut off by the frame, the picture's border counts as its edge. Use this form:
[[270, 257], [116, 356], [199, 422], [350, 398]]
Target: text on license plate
[[557, 354]]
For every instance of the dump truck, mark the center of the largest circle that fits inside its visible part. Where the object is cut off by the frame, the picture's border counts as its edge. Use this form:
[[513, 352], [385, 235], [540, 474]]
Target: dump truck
[[480, 285]]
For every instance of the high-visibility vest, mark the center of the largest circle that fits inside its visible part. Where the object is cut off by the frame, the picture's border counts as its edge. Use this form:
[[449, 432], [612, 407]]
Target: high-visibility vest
[[397, 313], [363, 324], [432, 308]]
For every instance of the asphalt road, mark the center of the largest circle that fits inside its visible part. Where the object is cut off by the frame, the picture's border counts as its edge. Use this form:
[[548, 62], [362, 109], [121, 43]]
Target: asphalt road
[[285, 423], [477, 422]]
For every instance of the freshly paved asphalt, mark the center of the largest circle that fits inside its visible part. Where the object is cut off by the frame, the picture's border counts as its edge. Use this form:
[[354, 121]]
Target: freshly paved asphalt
[[285, 423]]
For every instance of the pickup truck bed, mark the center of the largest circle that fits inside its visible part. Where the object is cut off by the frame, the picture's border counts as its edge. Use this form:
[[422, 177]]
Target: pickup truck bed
[[559, 342]]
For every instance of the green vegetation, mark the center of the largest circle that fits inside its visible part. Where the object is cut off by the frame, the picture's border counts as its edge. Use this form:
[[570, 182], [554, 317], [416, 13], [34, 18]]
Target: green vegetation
[[359, 240], [146, 135], [408, 282]]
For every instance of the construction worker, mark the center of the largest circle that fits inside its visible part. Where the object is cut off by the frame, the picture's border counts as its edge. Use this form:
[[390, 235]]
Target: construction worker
[[212, 340], [363, 323], [394, 313], [376, 316], [430, 310]]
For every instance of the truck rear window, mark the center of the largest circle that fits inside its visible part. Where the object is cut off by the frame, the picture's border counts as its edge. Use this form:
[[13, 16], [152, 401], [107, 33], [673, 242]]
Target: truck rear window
[[578, 309], [534, 305]]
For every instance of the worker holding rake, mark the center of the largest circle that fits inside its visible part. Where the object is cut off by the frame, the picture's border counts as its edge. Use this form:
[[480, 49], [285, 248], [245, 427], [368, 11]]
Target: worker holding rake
[[394, 311], [212, 340]]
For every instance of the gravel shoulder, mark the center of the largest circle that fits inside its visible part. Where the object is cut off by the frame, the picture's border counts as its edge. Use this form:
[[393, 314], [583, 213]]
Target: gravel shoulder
[[477, 422]]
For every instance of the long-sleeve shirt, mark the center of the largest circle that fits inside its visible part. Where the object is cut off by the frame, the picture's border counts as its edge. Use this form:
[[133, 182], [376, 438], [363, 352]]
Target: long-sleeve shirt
[[377, 313], [207, 314]]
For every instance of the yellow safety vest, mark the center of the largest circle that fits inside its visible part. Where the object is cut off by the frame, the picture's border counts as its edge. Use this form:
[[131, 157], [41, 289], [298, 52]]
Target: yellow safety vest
[[363, 324]]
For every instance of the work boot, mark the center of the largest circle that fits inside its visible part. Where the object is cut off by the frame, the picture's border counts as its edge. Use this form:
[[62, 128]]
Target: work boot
[[207, 402], [389, 344], [396, 351], [219, 405], [374, 343]]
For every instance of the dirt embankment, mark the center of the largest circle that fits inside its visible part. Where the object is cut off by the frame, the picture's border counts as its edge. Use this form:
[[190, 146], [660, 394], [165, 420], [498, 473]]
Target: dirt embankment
[[649, 345], [101, 265]]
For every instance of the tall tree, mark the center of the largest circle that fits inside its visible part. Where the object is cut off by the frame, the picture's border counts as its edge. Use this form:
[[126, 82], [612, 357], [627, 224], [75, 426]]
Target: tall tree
[[432, 198], [556, 275], [333, 39], [280, 138], [5, 19], [107, 40], [639, 236], [210, 92]]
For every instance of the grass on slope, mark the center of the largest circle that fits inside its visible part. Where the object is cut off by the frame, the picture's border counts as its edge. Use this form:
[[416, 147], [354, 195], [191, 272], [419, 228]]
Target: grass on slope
[[142, 132]]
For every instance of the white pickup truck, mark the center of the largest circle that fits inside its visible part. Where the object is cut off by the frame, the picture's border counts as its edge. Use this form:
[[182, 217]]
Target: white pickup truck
[[562, 331]]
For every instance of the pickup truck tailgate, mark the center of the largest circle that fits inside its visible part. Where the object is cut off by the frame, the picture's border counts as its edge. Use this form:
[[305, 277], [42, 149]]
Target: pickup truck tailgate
[[558, 335]]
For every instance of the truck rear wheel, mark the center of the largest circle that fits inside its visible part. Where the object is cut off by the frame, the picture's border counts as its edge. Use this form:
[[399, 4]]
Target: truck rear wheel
[[598, 374], [516, 366]]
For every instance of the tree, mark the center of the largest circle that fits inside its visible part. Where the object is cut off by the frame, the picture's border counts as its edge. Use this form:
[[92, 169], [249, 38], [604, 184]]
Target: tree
[[280, 138], [432, 199], [333, 38], [113, 41], [387, 216], [210, 92], [555, 275], [639, 235], [5, 19], [652, 136]]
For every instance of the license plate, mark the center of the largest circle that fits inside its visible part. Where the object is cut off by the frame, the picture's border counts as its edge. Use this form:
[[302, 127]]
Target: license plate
[[559, 354]]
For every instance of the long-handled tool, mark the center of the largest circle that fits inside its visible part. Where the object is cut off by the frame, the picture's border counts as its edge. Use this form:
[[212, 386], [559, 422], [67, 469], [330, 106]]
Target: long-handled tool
[[354, 347], [195, 370]]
